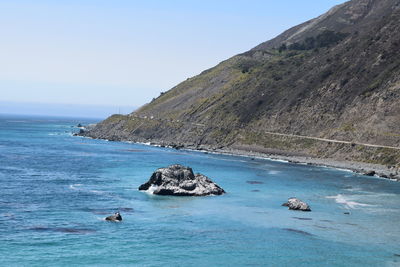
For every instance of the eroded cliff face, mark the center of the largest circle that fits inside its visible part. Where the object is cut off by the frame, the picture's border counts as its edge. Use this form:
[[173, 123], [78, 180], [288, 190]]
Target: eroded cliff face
[[334, 77]]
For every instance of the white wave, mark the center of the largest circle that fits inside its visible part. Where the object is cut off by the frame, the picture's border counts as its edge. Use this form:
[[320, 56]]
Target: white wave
[[151, 189], [225, 153], [355, 189], [341, 169], [61, 133], [278, 160], [74, 186], [340, 199], [274, 172], [97, 192], [301, 163], [143, 143]]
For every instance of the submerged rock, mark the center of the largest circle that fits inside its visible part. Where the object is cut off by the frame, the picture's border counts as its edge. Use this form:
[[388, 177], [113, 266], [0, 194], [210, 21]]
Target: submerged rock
[[254, 182], [297, 231], [296, 204], [178, 180], [115, 218]]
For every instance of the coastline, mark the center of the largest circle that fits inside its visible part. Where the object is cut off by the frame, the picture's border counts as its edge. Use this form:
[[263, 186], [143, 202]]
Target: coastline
[[369, 169]]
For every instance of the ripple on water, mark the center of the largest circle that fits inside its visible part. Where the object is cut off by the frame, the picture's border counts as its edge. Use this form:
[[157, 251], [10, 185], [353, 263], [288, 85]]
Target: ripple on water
[[302, 218], [254, 182], [62, 230]]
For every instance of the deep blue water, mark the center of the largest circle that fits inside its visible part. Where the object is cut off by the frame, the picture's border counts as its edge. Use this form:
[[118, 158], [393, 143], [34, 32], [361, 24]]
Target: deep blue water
[[56, 189]]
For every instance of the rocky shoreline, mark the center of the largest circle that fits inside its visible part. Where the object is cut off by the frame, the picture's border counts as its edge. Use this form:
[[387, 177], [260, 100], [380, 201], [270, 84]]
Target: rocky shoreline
[[369, 169]]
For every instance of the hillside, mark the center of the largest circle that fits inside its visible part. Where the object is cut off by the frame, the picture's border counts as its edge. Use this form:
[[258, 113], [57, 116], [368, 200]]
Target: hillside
[[335, 77]]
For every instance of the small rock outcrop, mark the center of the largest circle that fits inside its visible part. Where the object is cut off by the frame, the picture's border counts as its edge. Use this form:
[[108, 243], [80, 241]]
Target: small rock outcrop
[[178, 180], [296, 204], [370, 173], [115, 218], [81, 132]]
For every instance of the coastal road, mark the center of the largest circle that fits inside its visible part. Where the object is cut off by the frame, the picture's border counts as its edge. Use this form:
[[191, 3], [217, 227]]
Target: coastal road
[[288, 135], [331, 140]]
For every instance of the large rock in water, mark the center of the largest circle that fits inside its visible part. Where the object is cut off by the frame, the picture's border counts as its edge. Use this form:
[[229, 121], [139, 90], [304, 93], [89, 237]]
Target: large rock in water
[[115, 218], [296, 204], [178, 180]]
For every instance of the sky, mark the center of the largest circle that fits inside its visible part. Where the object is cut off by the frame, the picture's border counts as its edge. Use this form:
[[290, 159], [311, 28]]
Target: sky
[[122, 53]]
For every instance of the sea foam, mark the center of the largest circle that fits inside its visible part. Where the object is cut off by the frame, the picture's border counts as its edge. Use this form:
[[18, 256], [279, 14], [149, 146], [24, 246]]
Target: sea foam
[[340, 199]]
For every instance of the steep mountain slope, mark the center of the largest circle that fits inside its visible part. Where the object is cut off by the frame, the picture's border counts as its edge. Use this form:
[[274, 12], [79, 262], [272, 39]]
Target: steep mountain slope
[[334, 77]]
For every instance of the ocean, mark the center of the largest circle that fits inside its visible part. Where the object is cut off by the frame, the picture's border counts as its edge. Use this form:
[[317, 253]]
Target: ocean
[[56, 190]]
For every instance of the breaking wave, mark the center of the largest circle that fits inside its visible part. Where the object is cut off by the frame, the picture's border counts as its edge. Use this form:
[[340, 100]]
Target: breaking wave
[[347, 202]]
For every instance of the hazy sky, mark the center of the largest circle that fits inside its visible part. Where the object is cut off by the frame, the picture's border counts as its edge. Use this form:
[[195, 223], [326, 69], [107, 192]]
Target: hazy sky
[[126, 52]]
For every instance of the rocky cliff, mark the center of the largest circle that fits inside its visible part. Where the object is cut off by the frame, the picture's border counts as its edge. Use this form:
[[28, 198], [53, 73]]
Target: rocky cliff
[[336, 77]]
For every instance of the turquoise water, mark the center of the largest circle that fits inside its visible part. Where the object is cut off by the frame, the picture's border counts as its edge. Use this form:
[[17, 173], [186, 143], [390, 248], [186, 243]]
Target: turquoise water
[[56, 189]]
